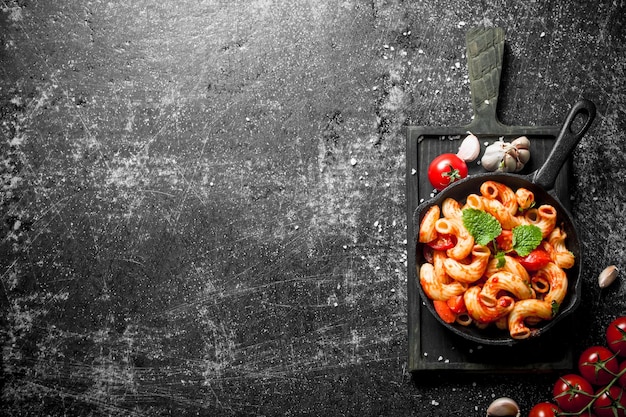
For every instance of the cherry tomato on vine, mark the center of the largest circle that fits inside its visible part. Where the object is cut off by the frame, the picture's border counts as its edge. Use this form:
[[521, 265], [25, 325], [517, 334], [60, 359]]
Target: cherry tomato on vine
[[622, 379], [616, 336], [572, 393], [544, 409], [535, 260], [598, 365], [610, 403], [446, 169]]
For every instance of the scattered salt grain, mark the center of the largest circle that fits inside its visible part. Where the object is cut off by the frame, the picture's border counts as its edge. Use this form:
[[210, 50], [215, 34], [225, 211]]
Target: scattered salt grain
[[542, 34], [353, 161]]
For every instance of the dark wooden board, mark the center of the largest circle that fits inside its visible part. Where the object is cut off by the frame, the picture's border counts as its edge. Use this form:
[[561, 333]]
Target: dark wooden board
[[432, 347]]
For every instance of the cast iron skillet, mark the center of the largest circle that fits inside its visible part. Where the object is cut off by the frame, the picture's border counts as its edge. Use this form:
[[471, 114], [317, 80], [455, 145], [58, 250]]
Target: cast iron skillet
[[541, 183]]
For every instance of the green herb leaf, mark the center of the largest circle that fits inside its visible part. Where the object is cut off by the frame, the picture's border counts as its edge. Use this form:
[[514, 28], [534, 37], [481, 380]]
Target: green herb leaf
[[501, 260], [555, 307], [481, 225], [526, 237]]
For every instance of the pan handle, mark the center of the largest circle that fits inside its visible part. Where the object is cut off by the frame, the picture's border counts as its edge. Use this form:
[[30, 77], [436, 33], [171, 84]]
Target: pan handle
[[569, 136]]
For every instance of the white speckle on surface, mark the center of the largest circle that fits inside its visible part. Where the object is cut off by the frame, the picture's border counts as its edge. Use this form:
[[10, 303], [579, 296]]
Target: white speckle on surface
[[353, 161]]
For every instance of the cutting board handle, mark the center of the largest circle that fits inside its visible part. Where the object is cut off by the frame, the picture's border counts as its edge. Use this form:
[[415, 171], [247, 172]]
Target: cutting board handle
[[485, 50]]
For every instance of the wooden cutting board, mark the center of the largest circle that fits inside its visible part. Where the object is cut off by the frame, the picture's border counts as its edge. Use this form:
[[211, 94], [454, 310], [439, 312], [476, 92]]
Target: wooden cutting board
[[432, 347]]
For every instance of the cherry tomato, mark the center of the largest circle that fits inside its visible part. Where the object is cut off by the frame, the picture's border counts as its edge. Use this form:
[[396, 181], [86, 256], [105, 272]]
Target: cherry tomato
[[446, 169], [443, 242], [441, 307], [610, 403], [457, 304], [535, 260], [505, 240], [622, 379], [544, 409], [427, 251], [616, 336], [572, 393], [597, 365]]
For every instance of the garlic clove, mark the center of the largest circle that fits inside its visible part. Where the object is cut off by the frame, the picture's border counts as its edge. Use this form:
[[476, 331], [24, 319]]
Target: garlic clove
[[469, 149], [523, 155], [503, 407], [521, 143], [607, 276], [509, 163]]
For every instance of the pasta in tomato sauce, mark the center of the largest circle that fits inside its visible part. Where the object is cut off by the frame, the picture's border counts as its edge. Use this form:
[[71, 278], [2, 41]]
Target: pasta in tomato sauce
[[499, 287]]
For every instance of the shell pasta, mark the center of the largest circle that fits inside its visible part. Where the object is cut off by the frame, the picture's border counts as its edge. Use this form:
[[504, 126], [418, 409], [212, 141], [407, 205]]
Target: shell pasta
[[499, 287]]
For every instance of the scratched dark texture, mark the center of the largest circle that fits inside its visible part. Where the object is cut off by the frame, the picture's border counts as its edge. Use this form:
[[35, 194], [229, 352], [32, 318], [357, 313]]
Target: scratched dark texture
[[203, 201]]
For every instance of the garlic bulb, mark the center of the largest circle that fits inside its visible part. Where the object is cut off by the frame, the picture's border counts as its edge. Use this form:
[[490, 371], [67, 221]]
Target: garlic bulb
[[507, 157]]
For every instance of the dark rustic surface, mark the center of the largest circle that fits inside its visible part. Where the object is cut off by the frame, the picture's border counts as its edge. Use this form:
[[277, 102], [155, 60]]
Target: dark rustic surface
[[203, 202]]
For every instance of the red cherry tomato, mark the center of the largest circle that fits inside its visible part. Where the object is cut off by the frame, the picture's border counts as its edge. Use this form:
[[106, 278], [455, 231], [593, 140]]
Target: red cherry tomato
[[457, 304], [544, 409], [616, 336], [597, 365], [505, 240], [535, 260], [446, 169], [442, 309], [622, 379], [427, 251], [443, 242], [572, 393], [611, 403]]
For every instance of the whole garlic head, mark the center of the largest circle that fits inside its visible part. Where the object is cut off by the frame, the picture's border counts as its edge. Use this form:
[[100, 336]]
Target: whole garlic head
[[507, 157]]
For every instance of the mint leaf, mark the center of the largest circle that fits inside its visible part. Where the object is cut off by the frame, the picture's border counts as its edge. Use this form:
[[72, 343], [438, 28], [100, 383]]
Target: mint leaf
[[526, 237], [481, 225]]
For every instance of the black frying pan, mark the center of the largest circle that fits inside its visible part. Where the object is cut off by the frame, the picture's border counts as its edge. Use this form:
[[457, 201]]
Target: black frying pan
[[541, 183]]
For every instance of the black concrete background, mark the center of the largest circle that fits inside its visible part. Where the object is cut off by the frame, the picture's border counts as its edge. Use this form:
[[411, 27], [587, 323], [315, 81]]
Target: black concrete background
[[203, 201]]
